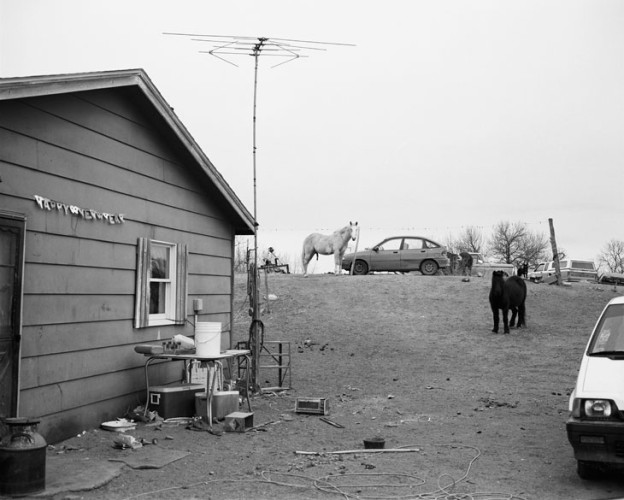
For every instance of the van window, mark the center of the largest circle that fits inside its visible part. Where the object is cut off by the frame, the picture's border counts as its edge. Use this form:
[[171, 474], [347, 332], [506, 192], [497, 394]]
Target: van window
[[563, 263], [580, 264], [609, 334]]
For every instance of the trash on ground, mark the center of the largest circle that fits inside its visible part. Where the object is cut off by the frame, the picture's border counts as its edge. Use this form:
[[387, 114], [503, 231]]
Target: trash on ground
[[178, 420], [317, 406], [326, 420], [125, 441], [343, 452], [119, 425]]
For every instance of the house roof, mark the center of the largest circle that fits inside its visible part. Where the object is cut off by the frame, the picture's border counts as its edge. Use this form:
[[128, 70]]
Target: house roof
[[24, 87]]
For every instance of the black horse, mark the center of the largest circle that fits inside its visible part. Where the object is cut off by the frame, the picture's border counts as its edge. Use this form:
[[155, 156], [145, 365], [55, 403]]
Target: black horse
[[507, 294]]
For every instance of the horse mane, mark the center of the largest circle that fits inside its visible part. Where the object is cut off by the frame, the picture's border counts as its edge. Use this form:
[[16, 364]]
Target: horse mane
[[344, 230]]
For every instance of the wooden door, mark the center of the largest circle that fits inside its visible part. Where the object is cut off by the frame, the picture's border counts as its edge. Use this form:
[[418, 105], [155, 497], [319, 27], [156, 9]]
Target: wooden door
[[11, 269]]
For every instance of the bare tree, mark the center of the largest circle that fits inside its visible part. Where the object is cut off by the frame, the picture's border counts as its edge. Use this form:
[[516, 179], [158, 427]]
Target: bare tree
[[294, 263], [241, 248], [612, 256], [451, 244], [533, 248], [506, 241], [471, 239]]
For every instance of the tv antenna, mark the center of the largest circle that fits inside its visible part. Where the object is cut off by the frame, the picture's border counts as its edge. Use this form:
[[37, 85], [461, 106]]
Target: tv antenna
[[226, 48]]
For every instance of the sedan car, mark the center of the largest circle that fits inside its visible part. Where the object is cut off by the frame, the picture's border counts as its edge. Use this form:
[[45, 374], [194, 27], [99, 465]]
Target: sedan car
[[399, 253]]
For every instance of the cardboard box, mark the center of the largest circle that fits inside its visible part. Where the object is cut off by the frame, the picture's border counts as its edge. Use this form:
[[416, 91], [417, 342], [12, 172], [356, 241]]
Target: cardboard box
[[199, 374], [176, 400], [238, 422]]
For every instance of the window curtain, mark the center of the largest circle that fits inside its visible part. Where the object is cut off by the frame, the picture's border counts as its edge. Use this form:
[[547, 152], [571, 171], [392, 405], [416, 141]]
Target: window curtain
[[142, 298]]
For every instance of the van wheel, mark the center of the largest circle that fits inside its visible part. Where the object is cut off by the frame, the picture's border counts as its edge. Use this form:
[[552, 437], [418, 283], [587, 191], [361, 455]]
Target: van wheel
[[587, 470]]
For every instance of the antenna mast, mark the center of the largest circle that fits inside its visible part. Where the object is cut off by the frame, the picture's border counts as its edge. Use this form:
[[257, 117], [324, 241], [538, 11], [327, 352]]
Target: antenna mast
[[224, 47]]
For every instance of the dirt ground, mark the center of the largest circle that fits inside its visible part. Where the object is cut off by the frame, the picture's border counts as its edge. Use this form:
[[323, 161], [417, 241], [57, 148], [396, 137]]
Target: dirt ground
[[467, 413]]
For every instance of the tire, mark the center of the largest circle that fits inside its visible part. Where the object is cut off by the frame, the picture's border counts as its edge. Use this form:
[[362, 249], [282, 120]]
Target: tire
[[429, 267], [360, 267], [587, 470]]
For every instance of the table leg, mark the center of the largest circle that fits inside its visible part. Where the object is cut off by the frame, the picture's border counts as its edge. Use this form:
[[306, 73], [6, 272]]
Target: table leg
[[248, 358], [210, 386], [149, 360]]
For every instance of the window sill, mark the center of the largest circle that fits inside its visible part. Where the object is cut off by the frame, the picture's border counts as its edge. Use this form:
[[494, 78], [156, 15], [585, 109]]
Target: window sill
[[161, 322]]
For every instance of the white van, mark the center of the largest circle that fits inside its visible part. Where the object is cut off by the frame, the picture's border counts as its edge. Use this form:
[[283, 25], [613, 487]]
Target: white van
[[577, 270], [596, 424], [571, 270], [543, 270]]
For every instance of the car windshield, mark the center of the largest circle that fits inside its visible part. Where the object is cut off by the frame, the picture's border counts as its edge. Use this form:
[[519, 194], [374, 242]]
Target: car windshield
[[609, 336]]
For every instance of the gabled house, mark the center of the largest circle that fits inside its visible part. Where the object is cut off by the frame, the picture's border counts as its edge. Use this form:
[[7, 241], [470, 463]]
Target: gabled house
[[112, 221]]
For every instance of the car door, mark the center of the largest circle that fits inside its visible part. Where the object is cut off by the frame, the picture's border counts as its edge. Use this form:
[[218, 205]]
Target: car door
[[386, 256], [414, 251]]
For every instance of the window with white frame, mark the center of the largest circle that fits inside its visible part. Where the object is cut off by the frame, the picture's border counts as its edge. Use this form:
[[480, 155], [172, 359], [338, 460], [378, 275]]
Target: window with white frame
[[161, 283]]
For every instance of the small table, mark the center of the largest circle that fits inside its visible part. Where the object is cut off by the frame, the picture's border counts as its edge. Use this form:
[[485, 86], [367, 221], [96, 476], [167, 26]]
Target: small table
[[212, 362], [276, 268]]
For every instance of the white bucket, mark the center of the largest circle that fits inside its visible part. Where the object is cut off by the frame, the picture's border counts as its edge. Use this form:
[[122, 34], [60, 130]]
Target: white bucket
[[208, 339]]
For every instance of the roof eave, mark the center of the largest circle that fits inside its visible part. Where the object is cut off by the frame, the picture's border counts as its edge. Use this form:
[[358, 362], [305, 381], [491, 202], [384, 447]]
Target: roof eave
[[24, 87]]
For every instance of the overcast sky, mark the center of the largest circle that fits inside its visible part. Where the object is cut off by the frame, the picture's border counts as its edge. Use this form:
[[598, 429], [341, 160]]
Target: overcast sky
[[445, 114]]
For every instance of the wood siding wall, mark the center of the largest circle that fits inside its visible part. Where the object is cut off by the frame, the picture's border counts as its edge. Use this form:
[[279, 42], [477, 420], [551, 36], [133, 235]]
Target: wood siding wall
[[97, 150]]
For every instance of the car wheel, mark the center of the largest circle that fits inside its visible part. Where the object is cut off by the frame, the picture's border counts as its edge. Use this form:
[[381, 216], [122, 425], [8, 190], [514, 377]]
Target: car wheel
[[360, 267], [587, 470], [429, 267]]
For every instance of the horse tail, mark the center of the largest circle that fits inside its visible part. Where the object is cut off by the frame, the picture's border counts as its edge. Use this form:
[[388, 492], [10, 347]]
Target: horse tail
[[306, 252]]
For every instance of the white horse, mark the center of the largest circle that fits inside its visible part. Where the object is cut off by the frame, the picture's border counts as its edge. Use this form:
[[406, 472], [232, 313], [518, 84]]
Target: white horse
[[335, 243]]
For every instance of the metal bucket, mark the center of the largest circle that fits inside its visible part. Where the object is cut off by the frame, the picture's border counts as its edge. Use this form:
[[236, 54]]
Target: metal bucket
[[22, 458]]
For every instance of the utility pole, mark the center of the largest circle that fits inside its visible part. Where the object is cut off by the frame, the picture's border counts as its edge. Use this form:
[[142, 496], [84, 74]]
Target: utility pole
[[553, 243], [224, 47]]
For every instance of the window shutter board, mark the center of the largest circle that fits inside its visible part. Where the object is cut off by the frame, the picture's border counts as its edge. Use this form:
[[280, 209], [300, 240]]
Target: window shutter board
[[181, 283], [141, 313]]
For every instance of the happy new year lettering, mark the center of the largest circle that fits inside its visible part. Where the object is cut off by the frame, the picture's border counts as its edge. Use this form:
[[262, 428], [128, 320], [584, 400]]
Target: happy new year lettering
[[85, 213]]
